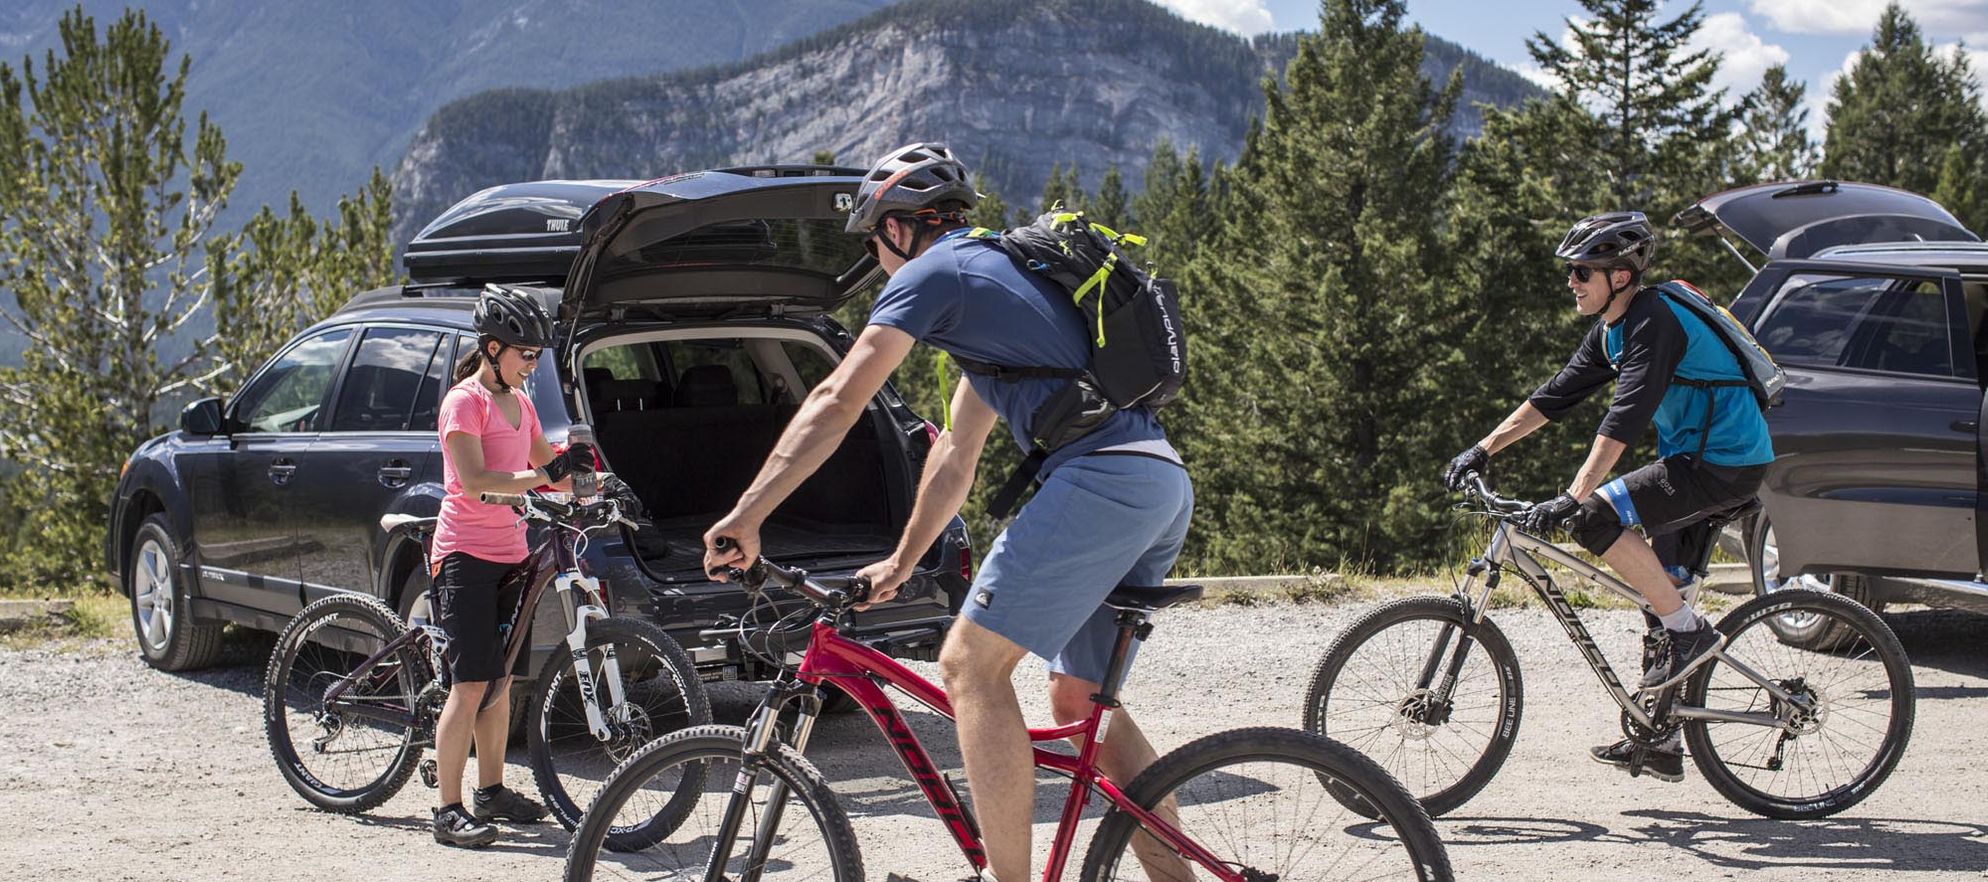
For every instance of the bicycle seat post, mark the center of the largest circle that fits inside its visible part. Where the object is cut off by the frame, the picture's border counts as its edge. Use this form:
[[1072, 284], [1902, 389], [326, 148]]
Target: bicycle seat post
[[1132, 625]]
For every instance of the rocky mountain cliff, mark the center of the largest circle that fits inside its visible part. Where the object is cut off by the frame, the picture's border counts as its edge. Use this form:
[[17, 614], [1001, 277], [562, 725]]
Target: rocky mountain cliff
[[1013, 85]]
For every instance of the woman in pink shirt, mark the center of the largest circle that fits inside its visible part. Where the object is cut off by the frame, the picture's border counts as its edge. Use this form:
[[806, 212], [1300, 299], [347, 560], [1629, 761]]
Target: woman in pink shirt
[[491, 442]]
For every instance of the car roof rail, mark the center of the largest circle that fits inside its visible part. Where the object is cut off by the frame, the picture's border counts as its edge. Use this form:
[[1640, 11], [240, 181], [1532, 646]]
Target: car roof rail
[[794, 171]]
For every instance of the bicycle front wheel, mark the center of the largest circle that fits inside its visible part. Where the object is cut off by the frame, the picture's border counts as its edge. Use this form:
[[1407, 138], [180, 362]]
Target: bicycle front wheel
[[352, 754], [1844, 734], [785, 823], [660, 695], [1379, 690], [1257, 800]]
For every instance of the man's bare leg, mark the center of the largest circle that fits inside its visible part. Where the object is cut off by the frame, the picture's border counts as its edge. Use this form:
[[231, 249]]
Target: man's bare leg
[[978, 666], [1123, 755], [1636, 562]]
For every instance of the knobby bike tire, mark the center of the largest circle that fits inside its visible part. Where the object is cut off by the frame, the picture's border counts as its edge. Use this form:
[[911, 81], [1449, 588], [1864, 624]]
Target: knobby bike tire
[[676, 673], [1486, 639], [294, 640], [1854, 625], [804, 783], [1425, 857]]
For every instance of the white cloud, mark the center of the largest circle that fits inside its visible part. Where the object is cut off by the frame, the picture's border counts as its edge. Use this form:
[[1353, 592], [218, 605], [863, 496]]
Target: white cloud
[[1858, 17], [1246, 17], [1746, 55]]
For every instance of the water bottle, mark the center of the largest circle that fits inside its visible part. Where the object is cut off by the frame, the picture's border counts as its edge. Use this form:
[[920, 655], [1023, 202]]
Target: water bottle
[[586, 482]]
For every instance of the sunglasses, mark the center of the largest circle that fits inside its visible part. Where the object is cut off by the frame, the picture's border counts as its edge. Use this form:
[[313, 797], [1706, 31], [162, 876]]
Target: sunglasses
[[1581, 273], [870, 245], [527, 354]]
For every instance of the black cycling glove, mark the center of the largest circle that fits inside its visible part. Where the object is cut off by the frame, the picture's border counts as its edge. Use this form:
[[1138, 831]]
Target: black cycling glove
[[579, 457], [1476, 459], [1549, 515]]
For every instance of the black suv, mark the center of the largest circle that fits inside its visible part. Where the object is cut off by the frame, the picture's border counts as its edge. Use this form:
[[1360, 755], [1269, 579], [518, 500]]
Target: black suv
[[691, 320], [1872, 300]]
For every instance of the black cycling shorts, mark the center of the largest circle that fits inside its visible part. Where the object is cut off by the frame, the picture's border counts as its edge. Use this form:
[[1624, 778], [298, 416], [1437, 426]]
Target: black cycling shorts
[[1663, 498], [474, 600]]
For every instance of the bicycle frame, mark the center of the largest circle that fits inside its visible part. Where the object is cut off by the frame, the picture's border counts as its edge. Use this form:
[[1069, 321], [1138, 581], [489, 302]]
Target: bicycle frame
[[1521, 551], [554, 562], [862, 672]]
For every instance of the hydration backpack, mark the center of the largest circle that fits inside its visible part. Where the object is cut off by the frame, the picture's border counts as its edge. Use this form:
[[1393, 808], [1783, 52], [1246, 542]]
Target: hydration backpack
[[1132, 318], [1763, 377]]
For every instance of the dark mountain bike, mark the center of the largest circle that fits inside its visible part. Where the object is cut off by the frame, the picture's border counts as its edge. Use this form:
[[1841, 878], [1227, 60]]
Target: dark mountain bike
[[353, 693], [1247, 805], [1430, 688]]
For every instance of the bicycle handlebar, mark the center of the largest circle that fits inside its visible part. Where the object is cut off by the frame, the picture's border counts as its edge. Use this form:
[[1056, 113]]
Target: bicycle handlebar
[[794, 579], [1475, 486], [539, 508]]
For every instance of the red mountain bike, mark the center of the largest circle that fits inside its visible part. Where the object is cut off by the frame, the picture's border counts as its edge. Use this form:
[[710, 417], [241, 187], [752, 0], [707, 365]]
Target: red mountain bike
[[743, 805]]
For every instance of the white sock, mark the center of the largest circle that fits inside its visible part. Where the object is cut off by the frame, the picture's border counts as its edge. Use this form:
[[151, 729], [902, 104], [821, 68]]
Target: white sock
[[1682, 619]]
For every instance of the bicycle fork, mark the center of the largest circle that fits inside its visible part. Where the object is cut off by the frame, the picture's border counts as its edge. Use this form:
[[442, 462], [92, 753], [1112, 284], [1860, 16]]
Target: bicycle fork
[[577, 616], [762, 738]]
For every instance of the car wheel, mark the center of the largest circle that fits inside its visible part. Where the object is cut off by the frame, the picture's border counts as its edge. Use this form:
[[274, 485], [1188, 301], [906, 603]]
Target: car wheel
[[1800, 629], [169, 637]]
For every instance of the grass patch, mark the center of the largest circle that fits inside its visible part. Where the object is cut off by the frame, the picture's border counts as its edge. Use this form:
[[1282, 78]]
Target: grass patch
[[89, 617]]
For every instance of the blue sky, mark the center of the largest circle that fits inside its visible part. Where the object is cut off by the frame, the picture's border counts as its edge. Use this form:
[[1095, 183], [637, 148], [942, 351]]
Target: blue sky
[[1814, 38]]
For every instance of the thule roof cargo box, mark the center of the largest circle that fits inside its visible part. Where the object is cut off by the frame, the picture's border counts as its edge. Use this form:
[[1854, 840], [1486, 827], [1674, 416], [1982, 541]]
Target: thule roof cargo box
[[526, 232], [531, 232]]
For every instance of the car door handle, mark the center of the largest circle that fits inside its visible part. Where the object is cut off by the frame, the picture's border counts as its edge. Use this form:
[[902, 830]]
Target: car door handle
[[395, 473], [1968, 426], [281, 469]]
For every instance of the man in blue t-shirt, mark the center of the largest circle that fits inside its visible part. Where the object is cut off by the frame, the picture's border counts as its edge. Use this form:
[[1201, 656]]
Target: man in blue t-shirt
[[1669, 367], [1112, 509]]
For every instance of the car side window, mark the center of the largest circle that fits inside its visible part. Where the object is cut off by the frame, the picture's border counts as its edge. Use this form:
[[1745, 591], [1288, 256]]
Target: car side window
[[1811, 323], [390, 379], [1905, 332], [289, 395]]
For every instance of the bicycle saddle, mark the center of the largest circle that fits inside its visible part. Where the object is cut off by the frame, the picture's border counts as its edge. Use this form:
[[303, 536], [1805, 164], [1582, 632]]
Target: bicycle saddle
[[1151, 598]]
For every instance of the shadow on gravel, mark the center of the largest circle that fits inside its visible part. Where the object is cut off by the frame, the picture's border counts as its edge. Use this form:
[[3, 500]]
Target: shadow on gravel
[[546, 839], [1873, 844], [1947, 640], [1753, 843]]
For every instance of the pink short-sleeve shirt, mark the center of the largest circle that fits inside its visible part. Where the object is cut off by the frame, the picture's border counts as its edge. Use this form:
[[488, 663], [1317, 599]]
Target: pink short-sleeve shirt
[[490, 532]]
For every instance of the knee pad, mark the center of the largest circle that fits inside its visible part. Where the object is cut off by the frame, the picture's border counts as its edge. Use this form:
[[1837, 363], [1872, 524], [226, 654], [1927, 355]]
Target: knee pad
[[1596, 526]]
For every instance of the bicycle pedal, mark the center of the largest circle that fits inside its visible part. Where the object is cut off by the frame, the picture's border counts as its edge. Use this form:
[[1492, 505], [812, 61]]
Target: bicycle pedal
[[430, 774]]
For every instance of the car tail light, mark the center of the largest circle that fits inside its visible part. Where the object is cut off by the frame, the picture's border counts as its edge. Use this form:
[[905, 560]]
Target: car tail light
[[966, 564], [931, 432]]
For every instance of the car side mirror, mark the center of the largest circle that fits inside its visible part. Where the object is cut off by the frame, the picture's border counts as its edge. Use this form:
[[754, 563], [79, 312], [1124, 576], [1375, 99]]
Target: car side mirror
[[202, 417]]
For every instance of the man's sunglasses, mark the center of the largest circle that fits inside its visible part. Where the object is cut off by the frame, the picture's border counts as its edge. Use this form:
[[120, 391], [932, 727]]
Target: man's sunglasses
[[1581, 273]]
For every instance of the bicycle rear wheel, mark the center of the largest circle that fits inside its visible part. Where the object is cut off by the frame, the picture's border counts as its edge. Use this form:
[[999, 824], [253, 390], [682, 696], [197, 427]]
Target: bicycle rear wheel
[[809, 837], [661, 695], [1375, 690], [1258, 800], [356, 753], [1848, 736]]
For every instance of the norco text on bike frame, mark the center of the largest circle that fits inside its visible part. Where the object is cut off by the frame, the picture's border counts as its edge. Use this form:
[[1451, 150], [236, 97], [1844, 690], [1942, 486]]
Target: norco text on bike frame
[[1670, 366], [1113, 507]]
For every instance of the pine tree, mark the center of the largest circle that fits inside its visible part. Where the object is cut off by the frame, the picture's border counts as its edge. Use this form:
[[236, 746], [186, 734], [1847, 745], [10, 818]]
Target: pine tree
[[1899, 111], [992, 212], [1111, 206], [1311, 403], [1657, 136], [1774, 142], [1061, 189], [109, 252]]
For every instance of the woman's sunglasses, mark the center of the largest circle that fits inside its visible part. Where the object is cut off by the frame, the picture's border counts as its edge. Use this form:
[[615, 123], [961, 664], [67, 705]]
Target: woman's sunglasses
[[527, 354]]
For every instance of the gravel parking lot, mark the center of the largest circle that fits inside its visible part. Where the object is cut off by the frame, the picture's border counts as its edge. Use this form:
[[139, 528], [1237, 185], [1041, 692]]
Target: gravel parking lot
[[109, 770]]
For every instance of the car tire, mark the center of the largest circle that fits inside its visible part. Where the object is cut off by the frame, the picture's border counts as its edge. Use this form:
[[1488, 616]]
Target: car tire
[[1763, 562], [169, 637]]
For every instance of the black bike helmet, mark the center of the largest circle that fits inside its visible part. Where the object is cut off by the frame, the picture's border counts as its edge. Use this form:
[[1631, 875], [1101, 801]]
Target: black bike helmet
[[1622, 238], [513, 317], [910, 179]]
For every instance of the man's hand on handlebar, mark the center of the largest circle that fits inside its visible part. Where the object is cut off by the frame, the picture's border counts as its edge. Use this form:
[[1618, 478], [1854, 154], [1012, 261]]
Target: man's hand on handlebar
[[740, 551], [884, 578]]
